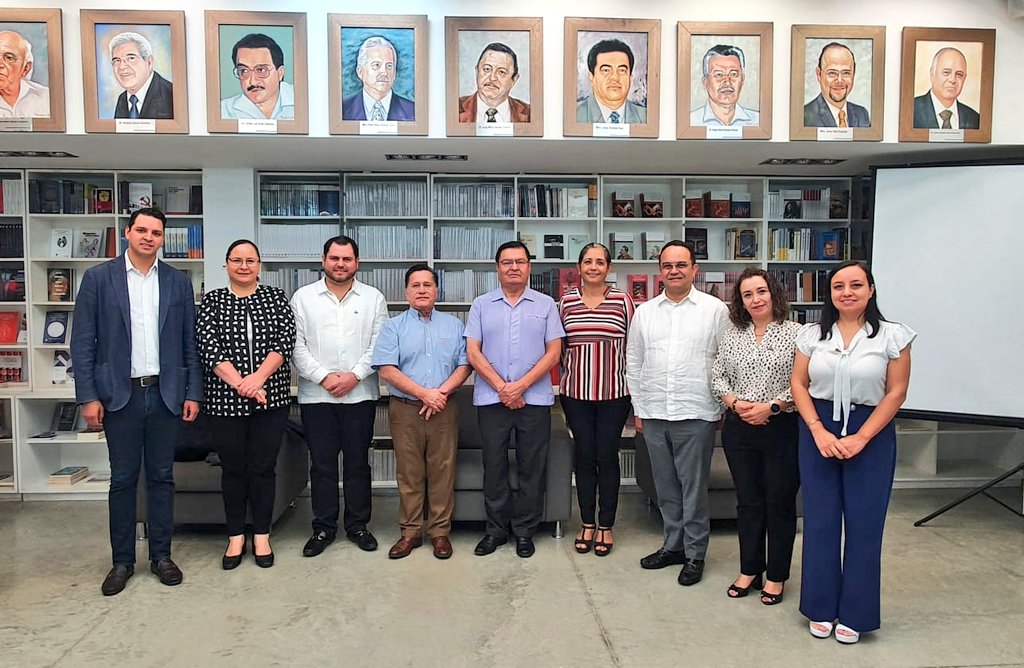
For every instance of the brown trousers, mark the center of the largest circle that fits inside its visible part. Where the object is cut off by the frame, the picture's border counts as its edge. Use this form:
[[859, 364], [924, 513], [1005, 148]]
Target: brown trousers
[[425, 466]]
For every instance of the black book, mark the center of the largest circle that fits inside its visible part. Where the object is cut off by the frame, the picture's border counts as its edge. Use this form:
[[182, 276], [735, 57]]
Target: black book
[[65, 415]]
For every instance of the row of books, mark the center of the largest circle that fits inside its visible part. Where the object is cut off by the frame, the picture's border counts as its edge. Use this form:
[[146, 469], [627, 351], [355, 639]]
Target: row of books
[[555, 246], [70, 475], [68, 196], [303, 241], [803, 286], [12, 240], [180, 199], [12, 284], [464, 285], [555, 282], [389, 280], [383, 464], [11, 366], [290, 279], [717, 203], [469, 243], [300, 199], [624, 205], [12, 198], [386, 198], [790, 243], [389, 242], [474, 200], [381, 425], [809, 203], [632, 246], [544, 201], [183, 241]]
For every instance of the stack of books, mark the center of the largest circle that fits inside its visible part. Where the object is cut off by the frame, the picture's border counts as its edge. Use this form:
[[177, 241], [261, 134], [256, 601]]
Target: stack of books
[[69, 475]]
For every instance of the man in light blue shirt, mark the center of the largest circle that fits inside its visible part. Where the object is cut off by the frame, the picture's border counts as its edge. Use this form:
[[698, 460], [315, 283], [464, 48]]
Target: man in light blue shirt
[[259, 67], [421, 355], [513, 338], [722, 75]]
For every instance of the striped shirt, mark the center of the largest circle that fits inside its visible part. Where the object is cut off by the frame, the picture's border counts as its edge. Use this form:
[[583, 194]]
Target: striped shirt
[[594, 356]]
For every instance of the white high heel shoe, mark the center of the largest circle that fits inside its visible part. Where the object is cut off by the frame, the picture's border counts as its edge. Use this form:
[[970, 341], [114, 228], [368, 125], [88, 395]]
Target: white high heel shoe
[[823, 632], [845, 634]]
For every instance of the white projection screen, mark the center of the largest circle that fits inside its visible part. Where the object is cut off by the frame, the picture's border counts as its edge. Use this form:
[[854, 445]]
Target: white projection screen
[[948, 260]]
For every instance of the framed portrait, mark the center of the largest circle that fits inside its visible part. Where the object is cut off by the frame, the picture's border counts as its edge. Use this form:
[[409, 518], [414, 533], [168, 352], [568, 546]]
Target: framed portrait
[[724, 88], [612, 72], [377, 74], [32, 83], [256, 72], [946, 84], [837, 84], [133, 71], [494, 81]]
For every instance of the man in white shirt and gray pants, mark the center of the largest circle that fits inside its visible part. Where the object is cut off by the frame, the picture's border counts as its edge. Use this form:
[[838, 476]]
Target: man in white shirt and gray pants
[[671, 348], [337, 320]]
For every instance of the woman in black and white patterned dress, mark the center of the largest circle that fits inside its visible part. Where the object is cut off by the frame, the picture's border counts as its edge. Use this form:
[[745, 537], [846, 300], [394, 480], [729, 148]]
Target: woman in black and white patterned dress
[[751, 379], [246, 333]]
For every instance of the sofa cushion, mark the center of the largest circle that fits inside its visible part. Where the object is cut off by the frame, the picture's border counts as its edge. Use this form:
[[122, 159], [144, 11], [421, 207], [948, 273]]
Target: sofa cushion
[[196, 477]]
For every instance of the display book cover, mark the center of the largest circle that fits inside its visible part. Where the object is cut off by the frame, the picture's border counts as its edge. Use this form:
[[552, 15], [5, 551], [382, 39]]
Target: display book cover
[[55, 327]]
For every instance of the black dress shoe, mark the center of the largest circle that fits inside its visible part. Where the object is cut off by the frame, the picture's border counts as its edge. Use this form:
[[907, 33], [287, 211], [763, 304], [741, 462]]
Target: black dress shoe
[[661, 559], [363, 538], [524, 546], [262, 560], [317, 543], [116, 579], [167, 571], [231, 563], [488, 544], [693, 571]]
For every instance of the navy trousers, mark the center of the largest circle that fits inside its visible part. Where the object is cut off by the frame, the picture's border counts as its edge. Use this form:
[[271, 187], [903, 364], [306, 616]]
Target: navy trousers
[[851, 494]]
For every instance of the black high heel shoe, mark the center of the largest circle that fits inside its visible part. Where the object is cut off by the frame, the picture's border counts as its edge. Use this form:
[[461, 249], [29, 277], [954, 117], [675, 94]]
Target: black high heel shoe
[[262, 560], [773, 599], [231, 563], [582, 543], [739, 592]]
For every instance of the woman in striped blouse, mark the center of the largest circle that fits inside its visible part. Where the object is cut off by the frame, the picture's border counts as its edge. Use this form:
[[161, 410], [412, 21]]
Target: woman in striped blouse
[[594, 394]]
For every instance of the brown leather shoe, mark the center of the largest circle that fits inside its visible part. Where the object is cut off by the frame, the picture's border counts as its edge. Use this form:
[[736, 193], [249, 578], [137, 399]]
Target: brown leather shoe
[[442, 547], [404, 547]]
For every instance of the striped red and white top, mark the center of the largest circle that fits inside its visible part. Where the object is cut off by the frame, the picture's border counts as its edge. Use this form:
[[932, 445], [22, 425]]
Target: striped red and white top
[[594, 356]]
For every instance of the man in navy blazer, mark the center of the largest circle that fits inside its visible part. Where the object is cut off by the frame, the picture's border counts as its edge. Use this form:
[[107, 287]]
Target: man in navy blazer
[[948, 74], [830, 109], [376, 66], [138, 375], [146, 93]]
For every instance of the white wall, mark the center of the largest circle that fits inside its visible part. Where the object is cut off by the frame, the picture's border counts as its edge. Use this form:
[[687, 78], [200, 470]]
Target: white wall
[[1008, 97]]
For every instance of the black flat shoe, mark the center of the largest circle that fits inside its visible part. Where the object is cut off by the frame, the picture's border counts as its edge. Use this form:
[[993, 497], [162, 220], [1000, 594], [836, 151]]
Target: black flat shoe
[[773, 599], [116, 579], [735, 591], [524, 547], [363, 538], [167, 571], [661, 559], [262, 560], [231, 563], [488, 544], [317, 543], [582, 543], [692, 572]]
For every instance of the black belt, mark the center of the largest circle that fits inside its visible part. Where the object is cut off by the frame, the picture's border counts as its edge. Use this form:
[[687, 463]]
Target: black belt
[[145, 381]]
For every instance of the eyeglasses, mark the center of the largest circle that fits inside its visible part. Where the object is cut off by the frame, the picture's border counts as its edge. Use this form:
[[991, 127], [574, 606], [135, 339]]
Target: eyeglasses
[[678, 266], [261, 71], [507, 264], [238, 261], [832, 75]]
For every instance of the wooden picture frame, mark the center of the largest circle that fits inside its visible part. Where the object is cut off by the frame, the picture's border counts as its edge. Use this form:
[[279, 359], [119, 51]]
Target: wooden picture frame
[[41, 29], [407, 37], [166, 100], [973, 94], [230, 107], [813, 117], [748, 45], [581, 108], [466, 42]]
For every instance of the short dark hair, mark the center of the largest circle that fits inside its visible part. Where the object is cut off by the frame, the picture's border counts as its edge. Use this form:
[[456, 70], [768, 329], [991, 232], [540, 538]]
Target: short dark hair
[[342, 240], [511, 244], [257, 40], [676, 242], [595, 244], [501, 48], [780, 305], [608, 46], [150, 211], [829, 314], [821, 56], [419, 266], [242, 242]]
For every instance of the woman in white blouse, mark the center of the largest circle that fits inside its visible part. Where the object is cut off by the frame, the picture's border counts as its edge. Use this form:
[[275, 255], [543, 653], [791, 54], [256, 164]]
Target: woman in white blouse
[[849, 379], [751, 379]]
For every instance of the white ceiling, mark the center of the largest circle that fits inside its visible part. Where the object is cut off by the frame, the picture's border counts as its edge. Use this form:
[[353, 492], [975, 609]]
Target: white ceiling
[[491, 155]]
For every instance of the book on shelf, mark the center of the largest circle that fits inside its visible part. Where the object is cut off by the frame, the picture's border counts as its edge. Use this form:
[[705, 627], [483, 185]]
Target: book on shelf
[[621, 245], [176, 199], [11, 240], [743, 242], [60, 282], [69, 475], [63, 372], [574, 246], [10, 325], [554, 247], [103, 200], [638, 287], [578, 205], [792, 203], [717, 204], [530, 241], [65, 416], [839, 205], [88, 243], [55, 327], [651, 208], [90, 434], [138, 195], [650, 244], [623, 205], [61, 242], [10, 366], [592, 200], [12, 284], [714, 284], [657, 285], [110, 240], [6, 480], [568, 279], [12, 197], [694, 203], [99, 477], [697, 237], [740, 206]]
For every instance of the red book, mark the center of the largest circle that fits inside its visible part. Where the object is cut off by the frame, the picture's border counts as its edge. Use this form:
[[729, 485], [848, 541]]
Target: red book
[[10, 324]]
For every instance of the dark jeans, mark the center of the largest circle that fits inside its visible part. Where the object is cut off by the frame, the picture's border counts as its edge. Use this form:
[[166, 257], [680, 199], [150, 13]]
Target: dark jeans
[[248, 448], [143, 431], [520, 510], [763, 462], [346, 429], [596, 427]]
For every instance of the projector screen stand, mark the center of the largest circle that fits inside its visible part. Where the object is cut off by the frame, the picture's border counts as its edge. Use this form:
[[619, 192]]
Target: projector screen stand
[[980, 490]]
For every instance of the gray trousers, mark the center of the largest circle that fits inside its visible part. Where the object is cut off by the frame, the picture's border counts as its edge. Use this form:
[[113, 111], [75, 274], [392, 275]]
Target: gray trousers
[[680, 452]]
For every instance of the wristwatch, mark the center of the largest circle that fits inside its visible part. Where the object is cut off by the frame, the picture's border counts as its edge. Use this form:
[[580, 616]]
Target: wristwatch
[[776, 409]]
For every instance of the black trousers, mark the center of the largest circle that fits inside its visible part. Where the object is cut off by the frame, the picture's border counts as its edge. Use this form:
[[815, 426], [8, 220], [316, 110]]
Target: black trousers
[[596, 427], [520, 510], [765, 470], [248, 447], [346, 429]]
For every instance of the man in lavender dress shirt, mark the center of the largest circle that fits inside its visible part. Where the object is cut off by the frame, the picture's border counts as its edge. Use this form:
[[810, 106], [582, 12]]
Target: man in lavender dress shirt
[[513, 338]]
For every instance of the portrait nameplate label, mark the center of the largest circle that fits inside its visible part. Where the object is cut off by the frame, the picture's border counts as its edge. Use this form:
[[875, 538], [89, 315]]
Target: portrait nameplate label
[[611, 129], [946, 136], [15, 125], [835, 134], [262, 126], [724, 132], [494, 130], [135, 126], [378, 127]]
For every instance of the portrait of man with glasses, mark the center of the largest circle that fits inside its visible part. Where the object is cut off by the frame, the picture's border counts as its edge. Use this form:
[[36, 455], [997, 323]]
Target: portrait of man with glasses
[[258, 63], [831, 108], [722, 75]]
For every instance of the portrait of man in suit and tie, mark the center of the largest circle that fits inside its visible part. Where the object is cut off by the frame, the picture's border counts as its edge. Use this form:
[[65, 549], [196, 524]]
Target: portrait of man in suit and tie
[[615, 87], [496, 74], [377, 70], [145, 94], [832, 107], [940, 107]]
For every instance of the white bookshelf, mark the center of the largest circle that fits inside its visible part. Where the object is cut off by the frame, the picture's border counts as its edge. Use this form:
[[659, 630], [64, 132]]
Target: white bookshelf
[[14, 369]]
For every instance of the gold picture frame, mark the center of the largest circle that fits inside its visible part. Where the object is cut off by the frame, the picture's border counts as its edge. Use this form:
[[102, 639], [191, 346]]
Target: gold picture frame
[[41, 25]]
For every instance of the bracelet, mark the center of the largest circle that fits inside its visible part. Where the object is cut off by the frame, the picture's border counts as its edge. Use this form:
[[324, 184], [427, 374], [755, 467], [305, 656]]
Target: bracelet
[[813, 422], [732, 406]]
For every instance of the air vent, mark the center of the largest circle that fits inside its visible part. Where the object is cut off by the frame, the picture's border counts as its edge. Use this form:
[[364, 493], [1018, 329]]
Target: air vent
[[426, 156], [803, 162], [36, 154]]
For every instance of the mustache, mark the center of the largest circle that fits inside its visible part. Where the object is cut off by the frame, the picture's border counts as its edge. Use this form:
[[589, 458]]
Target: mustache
[[255, 87]]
